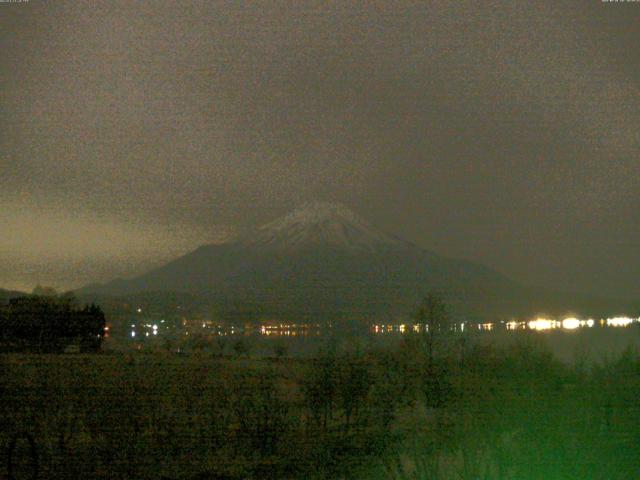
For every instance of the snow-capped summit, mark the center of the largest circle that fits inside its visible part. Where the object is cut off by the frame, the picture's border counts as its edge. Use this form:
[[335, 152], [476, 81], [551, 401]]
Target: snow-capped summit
[[320, 224], [317, 212]]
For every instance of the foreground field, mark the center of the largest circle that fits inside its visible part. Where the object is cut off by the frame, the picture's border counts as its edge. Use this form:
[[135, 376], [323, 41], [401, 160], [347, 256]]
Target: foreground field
[[512, 412]]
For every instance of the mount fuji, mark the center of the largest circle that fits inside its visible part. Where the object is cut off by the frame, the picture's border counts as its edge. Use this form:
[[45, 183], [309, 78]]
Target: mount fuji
[[322, 261]]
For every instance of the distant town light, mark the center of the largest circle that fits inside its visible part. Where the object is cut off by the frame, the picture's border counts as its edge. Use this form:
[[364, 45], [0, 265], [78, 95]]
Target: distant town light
[[619, 321], [133, 334], [542, 324], [570, 323]]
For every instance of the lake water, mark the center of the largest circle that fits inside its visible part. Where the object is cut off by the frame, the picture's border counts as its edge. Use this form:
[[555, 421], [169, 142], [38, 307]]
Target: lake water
[[569, 339]]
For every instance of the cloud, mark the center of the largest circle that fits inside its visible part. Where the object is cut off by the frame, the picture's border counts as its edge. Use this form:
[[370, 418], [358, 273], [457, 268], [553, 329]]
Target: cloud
[[491, 126], [68, 247]]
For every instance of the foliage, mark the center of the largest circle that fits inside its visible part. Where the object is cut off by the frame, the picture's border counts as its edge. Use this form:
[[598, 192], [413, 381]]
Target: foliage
[[261, 411], [48, 324], [319, 389], [241, 346], [505, 413], [280, 349], [435, 323]]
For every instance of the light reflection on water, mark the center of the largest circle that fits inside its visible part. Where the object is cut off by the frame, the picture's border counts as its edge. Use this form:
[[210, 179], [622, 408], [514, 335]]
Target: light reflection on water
[[537, 324]]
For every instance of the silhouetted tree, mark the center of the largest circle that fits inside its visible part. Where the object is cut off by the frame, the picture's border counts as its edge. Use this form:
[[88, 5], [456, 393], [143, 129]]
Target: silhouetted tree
[[46, 323], [280, 349], [353, 388], [435, 336], [320, 388], [221, 342], [241, 347], [435, 322], [89, 324], [261, 411]]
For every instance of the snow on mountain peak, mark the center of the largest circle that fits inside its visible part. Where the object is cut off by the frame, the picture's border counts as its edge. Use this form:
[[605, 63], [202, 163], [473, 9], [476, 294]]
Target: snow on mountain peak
[[321, 223], [314, 213]]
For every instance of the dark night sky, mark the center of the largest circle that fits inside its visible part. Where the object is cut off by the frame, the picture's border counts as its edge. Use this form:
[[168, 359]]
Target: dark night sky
[[504, 132]]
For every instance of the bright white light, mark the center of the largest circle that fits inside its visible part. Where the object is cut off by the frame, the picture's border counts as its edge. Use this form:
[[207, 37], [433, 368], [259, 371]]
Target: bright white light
[[619, 321], [155, 327], [462, 327], [570, 323], [139, 310], [542, 324], [133, 334]]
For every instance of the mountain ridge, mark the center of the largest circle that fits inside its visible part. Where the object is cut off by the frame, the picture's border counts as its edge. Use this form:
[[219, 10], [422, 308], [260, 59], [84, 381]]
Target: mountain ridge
[[324, 261]]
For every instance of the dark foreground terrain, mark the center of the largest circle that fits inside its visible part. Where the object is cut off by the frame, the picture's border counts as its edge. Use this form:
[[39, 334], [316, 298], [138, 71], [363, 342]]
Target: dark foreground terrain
[[483, 412]]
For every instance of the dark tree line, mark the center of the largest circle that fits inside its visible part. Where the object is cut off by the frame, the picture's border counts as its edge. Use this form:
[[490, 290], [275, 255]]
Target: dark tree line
[[42, 323]]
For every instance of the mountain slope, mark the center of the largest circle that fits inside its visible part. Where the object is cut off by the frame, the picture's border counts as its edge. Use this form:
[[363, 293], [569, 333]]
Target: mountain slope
[[324, 262], [6, 295]]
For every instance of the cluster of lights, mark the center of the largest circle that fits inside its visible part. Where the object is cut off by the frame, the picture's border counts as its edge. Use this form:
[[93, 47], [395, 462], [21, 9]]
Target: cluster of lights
[[403, 328], [621, 321], [572, 323], [537, 324], [515, 325], [154, 329], [543, 324], [290, 329]]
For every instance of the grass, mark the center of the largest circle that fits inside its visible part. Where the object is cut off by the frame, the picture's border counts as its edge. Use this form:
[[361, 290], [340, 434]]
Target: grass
[[512, 412]]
